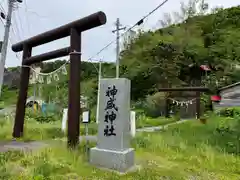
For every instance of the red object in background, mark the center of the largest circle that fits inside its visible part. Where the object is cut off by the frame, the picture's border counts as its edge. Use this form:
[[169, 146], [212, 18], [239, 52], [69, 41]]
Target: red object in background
[[205, 68], [216, 98]]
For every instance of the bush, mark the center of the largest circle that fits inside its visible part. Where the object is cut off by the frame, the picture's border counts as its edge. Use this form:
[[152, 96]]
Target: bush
[[228, 131], [93, 112], [45, 119], [40, 117], [140, 114], [229, 112], [155, 104]]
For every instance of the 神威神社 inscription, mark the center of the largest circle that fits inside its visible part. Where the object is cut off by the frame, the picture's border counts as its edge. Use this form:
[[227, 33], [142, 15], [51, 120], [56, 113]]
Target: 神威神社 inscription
[[113, 129], [110, 111]]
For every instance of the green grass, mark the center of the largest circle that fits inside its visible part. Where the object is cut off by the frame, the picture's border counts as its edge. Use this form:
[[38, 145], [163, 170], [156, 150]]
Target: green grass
[[34, 130], [40, 131], [9, 96], [44, 131], [184, 151]]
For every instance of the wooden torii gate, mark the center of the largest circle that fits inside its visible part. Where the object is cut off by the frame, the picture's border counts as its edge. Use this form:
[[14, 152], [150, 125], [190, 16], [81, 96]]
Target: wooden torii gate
[[74, 30], [198, 91]]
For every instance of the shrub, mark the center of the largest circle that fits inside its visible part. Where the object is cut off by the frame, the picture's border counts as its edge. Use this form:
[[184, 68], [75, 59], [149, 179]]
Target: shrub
[[40, 117], [140, 114], [93, 112], [155, 104], [229, 112], [228, 131]]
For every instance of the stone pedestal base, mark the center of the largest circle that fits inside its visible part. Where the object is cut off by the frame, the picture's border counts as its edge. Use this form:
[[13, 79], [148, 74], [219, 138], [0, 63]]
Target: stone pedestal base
[[120, 161]]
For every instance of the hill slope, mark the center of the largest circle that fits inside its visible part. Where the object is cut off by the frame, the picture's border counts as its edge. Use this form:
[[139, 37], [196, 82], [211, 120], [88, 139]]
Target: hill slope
[[159, 58]]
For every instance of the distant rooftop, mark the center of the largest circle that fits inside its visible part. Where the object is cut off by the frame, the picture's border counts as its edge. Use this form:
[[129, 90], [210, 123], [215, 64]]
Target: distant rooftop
[[229, 86]]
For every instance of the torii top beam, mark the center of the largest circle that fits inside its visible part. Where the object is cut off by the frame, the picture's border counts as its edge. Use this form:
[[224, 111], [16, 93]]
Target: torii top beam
[[83, 24]]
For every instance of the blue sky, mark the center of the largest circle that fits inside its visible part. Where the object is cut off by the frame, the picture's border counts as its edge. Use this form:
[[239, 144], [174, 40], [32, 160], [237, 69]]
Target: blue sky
[[36, 16]]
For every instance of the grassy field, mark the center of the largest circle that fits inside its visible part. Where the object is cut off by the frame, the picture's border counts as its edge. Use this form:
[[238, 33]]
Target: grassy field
[[45, 131], [185, 151], [39, 131]]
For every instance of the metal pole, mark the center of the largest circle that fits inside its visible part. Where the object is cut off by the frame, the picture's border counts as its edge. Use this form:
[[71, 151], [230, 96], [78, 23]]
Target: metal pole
[[117, 49], [98, 98], [118, 29], [5, 41]]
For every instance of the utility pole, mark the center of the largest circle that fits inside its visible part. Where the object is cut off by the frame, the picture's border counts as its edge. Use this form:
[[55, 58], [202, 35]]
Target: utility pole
[[11, 4], [117, 30], [98, 98]]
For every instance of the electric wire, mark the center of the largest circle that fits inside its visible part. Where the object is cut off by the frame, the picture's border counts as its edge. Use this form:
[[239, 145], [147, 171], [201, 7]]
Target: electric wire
[[139, 22], [129, 29], [27, 19]]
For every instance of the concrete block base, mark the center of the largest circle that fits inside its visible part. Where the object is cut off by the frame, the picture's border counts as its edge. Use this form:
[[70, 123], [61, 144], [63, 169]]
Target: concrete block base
[[120, 161]]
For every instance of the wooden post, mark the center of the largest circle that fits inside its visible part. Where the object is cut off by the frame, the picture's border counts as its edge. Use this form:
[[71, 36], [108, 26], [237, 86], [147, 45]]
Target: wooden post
[[21, 102], [198, 104], [74, 89]]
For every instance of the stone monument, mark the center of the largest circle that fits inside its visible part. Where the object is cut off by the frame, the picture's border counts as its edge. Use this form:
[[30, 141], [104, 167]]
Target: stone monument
[[113, 147]]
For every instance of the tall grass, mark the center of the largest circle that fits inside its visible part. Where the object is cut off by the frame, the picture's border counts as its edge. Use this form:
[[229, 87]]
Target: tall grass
[[38, 127]]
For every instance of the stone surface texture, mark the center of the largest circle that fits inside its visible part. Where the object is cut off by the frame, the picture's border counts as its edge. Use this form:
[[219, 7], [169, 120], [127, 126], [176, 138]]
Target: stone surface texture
[[114, 152]]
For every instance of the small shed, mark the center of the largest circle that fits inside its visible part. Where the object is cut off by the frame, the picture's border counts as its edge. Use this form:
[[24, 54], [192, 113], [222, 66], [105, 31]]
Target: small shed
[[230, 92], [230, 95]]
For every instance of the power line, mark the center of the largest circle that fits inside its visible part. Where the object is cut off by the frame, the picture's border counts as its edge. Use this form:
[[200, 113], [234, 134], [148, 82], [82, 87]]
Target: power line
[[129, 29], [27, 19], [16, 33], [1, 7], [2, 21], [18, 24], [33, 12], [136, 24], [13, 30], [16, 54]]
